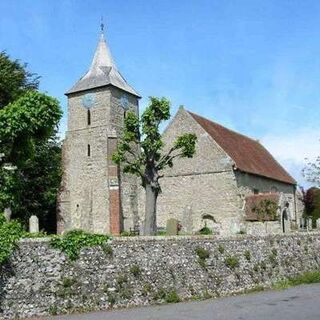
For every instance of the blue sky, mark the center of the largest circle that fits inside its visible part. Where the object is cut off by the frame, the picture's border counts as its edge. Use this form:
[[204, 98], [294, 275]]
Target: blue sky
[[253, 66]]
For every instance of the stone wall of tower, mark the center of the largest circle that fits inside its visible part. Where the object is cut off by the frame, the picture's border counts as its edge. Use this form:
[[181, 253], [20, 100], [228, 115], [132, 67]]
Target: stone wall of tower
[[129, 183], [90, 182]]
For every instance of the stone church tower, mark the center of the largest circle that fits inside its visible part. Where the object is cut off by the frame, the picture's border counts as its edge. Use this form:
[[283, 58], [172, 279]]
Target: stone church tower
[[95, 195]]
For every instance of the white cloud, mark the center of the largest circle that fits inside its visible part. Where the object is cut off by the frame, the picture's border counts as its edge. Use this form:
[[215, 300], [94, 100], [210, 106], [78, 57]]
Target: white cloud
[[293, 148]]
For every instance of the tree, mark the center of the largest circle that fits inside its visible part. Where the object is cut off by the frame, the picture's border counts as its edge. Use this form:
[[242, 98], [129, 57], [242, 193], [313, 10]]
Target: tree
[[140, 151], [30, 119], [311, 199], [39, 181], [312, 172], [15, 79], [27, 142]]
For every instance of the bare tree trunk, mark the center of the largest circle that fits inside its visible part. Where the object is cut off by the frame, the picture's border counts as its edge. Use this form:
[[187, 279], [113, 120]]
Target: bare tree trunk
[[150, 223]]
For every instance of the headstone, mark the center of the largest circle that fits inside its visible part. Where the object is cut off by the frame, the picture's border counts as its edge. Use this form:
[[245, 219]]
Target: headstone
[[318, 223], [302, 223], [33, 224], [172, 227], [187, 219], [7, 214], [309, 224]]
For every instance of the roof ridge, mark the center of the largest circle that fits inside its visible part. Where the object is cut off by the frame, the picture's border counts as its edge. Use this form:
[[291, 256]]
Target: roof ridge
[[218, 124], [248, 154]]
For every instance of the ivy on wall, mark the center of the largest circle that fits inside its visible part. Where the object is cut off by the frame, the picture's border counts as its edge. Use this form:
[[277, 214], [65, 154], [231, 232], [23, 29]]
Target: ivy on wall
[[73, 241]]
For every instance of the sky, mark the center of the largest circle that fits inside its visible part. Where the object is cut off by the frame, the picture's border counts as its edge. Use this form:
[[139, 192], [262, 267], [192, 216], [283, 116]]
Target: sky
[[252, 66]]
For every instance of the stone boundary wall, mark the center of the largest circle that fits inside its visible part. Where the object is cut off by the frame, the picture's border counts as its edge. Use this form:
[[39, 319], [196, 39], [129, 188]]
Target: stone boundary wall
[[39, 280]]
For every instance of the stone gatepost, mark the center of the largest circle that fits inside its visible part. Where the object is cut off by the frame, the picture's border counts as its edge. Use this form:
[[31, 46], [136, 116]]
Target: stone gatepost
[[33, 224]]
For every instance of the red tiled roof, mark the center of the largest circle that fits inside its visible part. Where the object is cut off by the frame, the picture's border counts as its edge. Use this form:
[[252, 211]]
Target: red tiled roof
[[248, 154], [254, 200]]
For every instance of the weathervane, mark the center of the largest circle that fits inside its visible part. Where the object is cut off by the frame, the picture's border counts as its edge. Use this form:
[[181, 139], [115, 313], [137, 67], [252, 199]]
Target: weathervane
[[102, 25]]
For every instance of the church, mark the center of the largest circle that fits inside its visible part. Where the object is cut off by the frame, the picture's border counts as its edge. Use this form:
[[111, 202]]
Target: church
[[218, 188]]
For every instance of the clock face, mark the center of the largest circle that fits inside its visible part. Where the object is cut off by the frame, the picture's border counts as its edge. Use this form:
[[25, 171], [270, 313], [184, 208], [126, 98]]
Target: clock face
[[124, 101], [88, 100]]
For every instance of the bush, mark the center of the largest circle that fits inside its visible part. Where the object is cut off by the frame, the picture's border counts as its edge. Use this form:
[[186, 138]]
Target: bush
[[135, 270], [221, 248], [10, 233], [172, 297], [202, 253], [232, 262], [205, 231], [73, 241], [247, 255]]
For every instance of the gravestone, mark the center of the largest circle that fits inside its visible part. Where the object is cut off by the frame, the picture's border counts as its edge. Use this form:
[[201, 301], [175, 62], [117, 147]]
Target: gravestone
[[318, 223], [187, 219], [33, 224], [309, 224], [172, 227], [7, 214]]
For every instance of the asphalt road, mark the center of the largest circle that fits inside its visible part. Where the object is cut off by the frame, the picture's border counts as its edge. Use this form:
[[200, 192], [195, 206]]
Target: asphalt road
[[297, 303]]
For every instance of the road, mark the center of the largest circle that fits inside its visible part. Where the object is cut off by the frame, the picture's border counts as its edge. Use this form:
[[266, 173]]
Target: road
[[297, 303]]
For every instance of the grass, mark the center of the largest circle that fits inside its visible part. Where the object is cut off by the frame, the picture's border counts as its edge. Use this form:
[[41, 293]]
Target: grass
[[305, 278]]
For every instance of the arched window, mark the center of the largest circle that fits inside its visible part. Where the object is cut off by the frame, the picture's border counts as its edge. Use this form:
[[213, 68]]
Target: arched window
[[89, 117]]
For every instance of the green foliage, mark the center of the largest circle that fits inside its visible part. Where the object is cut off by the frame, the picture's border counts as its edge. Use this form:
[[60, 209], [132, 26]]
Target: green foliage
[[73, 241], [40, 234], [232, 262], [68, 282], [147, 288], [38, 184], [266, 210], [125, 234], [247, 255], [140, 151], [221, 248], [112, 299], [29, 121], [107, 249], [10, 233], [205, 231], [273, 259], [14, 79], [160, 294], [202, 253], [121, 280], [135, 270], [263, 265], [304, 278], [312, 204], [172, 297]]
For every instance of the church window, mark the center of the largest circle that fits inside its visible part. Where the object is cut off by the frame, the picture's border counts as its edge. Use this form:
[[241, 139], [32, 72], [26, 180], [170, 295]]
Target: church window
[[89, 150], [89, 117]]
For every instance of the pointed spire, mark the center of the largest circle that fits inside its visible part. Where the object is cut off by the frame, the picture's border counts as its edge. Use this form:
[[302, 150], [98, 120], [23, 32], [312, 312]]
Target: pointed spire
[[103, 70], [102, 56]]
